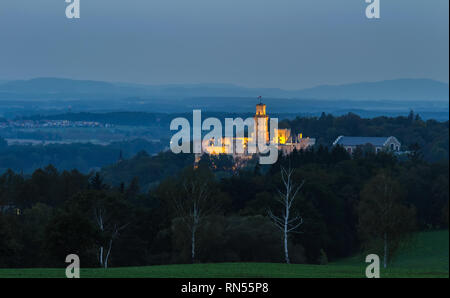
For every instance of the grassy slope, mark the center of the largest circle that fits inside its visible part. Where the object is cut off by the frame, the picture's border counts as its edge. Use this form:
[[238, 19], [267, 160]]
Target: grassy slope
[[428, 258], [428, 255]]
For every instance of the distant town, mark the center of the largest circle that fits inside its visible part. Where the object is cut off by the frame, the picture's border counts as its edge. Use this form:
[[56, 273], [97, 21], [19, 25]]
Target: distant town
[[51, 124]]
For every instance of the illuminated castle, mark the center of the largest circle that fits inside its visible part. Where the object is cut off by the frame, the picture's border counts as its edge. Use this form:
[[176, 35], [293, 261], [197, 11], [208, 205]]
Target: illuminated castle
[[282, 137]]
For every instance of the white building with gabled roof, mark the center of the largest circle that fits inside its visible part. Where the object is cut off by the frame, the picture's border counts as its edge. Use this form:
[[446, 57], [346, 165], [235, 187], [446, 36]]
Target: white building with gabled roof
[[379, 143]]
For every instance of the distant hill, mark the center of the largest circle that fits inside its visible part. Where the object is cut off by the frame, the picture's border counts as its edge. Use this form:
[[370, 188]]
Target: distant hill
[[56, 88], [404, 89], [61, 88]]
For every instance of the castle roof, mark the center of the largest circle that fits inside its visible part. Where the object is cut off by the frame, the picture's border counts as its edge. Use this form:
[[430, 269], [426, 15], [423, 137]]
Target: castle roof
[[359, 141]]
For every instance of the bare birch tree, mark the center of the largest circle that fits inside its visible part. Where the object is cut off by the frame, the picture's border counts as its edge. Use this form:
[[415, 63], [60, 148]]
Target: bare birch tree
[[194, 203], [110, 233], [287, 222], [109, 213]]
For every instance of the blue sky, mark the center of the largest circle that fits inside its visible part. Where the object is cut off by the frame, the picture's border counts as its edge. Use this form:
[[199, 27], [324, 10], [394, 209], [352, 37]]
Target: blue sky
[[289, 44]]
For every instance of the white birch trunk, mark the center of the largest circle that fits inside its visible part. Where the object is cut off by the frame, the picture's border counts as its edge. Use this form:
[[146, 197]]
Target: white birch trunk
[[286, 252], [286, 226], [101, 256], [108, 253]]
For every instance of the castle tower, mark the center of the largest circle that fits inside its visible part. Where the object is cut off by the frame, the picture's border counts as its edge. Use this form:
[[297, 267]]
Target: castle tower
[[261, 122]]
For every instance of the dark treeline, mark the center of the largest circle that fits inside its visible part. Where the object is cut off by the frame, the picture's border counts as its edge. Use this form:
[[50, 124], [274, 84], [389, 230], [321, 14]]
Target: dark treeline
[[431, 135], [199, 214]]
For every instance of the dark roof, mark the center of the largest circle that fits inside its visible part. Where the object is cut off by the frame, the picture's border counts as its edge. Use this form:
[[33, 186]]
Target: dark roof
[[356, 141]]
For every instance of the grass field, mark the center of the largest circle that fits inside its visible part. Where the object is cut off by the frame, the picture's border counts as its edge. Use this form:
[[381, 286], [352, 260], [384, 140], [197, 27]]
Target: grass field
[[427, 257]]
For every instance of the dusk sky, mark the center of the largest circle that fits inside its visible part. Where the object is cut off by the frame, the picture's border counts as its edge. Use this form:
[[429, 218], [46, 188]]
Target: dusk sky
[[289, 44]]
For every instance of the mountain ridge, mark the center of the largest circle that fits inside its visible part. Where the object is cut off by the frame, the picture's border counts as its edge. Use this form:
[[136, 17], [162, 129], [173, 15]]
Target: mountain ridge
[[399, 89]]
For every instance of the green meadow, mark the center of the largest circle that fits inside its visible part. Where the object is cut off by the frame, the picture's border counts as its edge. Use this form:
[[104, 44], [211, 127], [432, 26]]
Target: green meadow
[[426, 256]]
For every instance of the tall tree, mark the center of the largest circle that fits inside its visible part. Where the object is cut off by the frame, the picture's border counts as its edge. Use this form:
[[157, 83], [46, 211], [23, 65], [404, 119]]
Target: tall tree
[[287, 222], [96, 182], [109, 213], [385, 222], [193, 201], [133, 189]]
